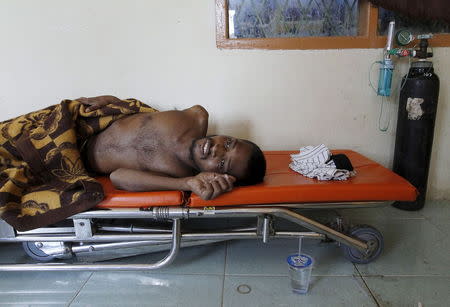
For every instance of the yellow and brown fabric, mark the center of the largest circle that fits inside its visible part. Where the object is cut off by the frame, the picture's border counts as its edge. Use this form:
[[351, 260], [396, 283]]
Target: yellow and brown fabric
[[42, 176]]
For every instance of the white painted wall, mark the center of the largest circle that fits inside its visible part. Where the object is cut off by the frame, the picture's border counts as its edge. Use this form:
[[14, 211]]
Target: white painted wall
[[164, 53]]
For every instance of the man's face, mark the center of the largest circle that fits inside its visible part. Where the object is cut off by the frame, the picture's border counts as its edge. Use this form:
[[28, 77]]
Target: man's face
[[221, 154]]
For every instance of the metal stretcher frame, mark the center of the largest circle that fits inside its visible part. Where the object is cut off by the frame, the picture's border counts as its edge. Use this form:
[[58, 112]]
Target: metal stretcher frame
[[361, 245]]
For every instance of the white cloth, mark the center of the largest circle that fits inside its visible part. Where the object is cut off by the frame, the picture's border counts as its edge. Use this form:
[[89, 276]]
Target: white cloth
[[314, 162]]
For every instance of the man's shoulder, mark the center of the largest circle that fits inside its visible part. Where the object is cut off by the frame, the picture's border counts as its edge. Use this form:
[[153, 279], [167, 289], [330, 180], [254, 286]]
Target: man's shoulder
[[198, 110]]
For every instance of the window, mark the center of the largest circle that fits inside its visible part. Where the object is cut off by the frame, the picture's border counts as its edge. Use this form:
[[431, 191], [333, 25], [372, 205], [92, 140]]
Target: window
[[295, 18], [312, 24]]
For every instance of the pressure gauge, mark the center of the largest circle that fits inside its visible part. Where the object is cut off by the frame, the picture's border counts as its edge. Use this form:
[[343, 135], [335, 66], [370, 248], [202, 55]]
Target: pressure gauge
[[404, 37]]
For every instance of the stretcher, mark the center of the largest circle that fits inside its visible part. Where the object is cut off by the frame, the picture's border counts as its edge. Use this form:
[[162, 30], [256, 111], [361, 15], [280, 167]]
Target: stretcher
[[131, 223]]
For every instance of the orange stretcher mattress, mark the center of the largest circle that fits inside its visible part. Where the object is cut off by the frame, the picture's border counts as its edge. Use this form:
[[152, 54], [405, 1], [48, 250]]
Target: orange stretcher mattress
[[372, 182], [124, 199]]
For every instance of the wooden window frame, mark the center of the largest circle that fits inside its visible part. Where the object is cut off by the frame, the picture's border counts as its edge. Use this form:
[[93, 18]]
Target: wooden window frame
[[368, 35]]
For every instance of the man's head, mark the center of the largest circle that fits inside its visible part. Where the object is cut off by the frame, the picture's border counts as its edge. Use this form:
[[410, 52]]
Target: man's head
[[225, 154]]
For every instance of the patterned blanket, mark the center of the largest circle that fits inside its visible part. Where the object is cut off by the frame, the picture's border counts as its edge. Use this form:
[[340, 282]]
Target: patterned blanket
[[42, 177]]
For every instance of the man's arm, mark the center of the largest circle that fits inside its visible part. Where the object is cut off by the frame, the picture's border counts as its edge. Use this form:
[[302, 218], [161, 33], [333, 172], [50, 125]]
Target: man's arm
[[206, 185]]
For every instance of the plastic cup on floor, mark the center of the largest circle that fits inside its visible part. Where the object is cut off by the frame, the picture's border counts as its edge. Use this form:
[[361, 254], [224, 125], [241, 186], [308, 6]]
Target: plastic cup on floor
[[300, 267]]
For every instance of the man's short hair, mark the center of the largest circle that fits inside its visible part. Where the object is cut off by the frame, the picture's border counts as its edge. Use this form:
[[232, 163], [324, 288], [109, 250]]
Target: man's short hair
[[256, 168]]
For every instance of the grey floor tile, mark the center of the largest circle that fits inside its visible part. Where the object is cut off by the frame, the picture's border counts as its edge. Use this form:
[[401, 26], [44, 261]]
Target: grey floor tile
[[436, 208], [40, 288], [207, 259], [390, 212], [441, 223], [256, 258], [431, 210], [414, 267], [412, 247], [371, 213], [438, 213], [409, 291], [380, 213], [144, 289], [276, 291]]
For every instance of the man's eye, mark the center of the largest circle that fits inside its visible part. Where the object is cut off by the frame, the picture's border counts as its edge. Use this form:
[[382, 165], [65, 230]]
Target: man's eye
[[221, 165]]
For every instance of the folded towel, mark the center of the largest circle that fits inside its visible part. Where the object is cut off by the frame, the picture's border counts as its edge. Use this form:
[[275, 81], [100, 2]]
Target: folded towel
[[317, 162]]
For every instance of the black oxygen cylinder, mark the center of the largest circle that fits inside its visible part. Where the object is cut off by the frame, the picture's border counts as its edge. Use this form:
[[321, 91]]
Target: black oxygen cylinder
[[415, 129]]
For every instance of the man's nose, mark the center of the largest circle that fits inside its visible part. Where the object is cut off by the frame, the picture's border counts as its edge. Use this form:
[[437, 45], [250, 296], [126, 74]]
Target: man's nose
[[216, 150]]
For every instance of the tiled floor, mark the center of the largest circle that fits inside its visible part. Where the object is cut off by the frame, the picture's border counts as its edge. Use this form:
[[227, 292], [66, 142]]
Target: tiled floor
[[414, 268]]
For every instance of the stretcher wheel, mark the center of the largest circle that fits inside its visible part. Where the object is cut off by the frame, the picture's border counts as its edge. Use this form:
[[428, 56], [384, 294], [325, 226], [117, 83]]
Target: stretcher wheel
[[36, 253], [372, 237]]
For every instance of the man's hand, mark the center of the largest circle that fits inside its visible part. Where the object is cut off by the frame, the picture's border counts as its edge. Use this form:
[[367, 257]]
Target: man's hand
[[210, 185], [95, 103], [206, 185]]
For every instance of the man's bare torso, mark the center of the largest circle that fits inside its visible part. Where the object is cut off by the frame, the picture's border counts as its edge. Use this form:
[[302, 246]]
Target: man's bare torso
[[156, 142]]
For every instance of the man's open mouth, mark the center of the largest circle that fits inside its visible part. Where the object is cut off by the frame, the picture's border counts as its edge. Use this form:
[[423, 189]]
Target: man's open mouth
[[206, 148]]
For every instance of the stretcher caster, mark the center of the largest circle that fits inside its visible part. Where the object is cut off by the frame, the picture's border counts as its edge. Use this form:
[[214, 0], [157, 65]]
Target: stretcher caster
[[372, 237], [47, 251], [32, 249]]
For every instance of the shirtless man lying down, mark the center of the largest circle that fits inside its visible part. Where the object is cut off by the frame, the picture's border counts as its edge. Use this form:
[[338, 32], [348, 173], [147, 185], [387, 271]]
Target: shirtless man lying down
[[170, 151]]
